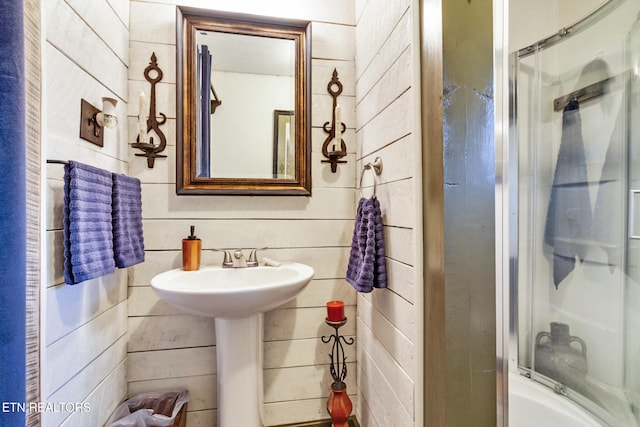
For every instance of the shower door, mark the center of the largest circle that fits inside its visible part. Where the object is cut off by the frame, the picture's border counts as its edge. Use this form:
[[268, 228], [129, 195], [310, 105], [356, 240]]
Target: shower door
[[576, 110]]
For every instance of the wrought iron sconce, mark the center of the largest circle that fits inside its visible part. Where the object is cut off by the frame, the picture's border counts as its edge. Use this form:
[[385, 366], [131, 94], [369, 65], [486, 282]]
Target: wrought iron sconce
[[92, 120], [334, 147], [145, 142]]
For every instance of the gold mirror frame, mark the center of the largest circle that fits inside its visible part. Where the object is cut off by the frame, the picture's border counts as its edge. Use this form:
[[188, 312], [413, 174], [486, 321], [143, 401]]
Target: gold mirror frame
[[189, 21]]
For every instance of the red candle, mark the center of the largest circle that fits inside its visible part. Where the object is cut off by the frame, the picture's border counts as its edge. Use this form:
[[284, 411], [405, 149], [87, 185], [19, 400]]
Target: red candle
[[335, 311]]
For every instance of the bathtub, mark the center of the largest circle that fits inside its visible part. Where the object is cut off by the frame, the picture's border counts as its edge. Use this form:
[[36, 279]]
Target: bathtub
[[534, 405]]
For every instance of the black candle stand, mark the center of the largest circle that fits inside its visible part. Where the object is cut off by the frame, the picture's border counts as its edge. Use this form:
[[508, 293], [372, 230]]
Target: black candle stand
[[338, 367]]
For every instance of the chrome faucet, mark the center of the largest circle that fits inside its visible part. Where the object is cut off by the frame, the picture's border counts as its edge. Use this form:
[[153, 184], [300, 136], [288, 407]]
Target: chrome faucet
[[237, 259]]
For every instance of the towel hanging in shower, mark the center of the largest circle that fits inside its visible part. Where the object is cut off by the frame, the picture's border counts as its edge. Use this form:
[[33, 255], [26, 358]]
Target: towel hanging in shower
[[366, 269], [568, 224]]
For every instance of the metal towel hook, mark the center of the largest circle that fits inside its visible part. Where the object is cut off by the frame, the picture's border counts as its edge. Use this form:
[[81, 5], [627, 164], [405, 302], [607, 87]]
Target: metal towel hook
[[376, 166]]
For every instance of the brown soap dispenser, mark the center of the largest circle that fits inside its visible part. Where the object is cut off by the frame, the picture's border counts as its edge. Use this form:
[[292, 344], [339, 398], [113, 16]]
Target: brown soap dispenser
[[191, 247]]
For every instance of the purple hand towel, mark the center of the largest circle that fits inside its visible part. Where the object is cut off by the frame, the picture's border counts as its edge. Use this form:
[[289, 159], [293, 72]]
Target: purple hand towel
[[87, 229], [128, 240], [367, 268]]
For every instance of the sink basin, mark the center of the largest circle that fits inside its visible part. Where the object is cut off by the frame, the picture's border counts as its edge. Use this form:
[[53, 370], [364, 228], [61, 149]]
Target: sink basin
[[232, 293]]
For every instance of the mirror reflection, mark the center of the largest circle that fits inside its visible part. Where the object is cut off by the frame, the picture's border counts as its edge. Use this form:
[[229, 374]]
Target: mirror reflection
[[243, 116], [242, 77]]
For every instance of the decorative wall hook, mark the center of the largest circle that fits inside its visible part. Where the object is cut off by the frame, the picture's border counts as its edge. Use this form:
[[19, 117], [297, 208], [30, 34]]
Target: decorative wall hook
[[334, 147], [145, 142]]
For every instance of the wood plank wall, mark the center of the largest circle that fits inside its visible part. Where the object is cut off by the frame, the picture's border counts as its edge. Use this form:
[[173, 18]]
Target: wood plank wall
[[170, 349], [385, 127], [33, 85], [89, 58], [84, 55]]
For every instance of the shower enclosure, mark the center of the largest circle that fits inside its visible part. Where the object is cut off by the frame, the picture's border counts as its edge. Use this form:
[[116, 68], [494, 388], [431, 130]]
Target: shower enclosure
[[574, 174]]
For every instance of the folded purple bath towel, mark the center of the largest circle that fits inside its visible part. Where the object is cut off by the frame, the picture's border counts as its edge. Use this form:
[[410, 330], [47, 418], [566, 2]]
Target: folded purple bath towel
[[87, 229], [128, 240], [367, 268]]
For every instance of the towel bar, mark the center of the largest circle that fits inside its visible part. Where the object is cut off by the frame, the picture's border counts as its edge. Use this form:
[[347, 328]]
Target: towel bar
[[60, 162]]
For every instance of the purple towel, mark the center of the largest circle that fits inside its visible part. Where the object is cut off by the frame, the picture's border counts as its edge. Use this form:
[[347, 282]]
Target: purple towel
[[367, 269], [88, 235], [128, 240]]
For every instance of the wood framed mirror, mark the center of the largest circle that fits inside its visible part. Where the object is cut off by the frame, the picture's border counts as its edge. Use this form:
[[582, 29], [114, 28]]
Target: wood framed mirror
[[235, 74]]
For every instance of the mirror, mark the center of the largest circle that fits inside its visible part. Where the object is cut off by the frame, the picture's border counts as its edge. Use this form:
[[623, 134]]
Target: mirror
[[243, 98]]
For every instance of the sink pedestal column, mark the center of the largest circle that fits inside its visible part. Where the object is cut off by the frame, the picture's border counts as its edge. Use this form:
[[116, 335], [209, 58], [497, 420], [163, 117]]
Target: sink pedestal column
[[239, 347]]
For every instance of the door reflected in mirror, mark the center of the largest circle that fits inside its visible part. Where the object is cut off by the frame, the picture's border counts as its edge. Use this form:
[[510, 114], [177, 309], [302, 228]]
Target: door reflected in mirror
[[243, 119], [284, 159]]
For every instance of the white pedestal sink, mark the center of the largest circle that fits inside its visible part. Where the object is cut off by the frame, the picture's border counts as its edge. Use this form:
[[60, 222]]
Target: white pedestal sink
[[236, 297]]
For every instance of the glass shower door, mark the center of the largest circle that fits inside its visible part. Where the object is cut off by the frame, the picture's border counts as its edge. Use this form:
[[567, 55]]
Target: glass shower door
[[578, 275], [632, 312]]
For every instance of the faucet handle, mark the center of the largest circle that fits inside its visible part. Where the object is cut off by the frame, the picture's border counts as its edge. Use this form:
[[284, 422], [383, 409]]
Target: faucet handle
[[252, 261], [228, 261]]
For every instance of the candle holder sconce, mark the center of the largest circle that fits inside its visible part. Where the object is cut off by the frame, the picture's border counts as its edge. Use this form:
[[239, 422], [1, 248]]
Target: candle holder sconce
[[334, 147], [150, 149], [339, 405]]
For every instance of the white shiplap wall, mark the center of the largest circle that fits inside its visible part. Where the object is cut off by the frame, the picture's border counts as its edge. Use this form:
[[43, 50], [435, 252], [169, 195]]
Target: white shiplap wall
[[385, 127], [170, 349], [85, 55]]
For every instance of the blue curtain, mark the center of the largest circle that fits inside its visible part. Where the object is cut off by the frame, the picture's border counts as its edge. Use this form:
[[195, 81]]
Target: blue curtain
[[205, 110], [12, 213]]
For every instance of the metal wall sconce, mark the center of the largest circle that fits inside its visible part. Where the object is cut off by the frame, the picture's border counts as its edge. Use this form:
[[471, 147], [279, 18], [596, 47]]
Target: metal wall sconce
[[93, 121], [334, 147], [149, 123]]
